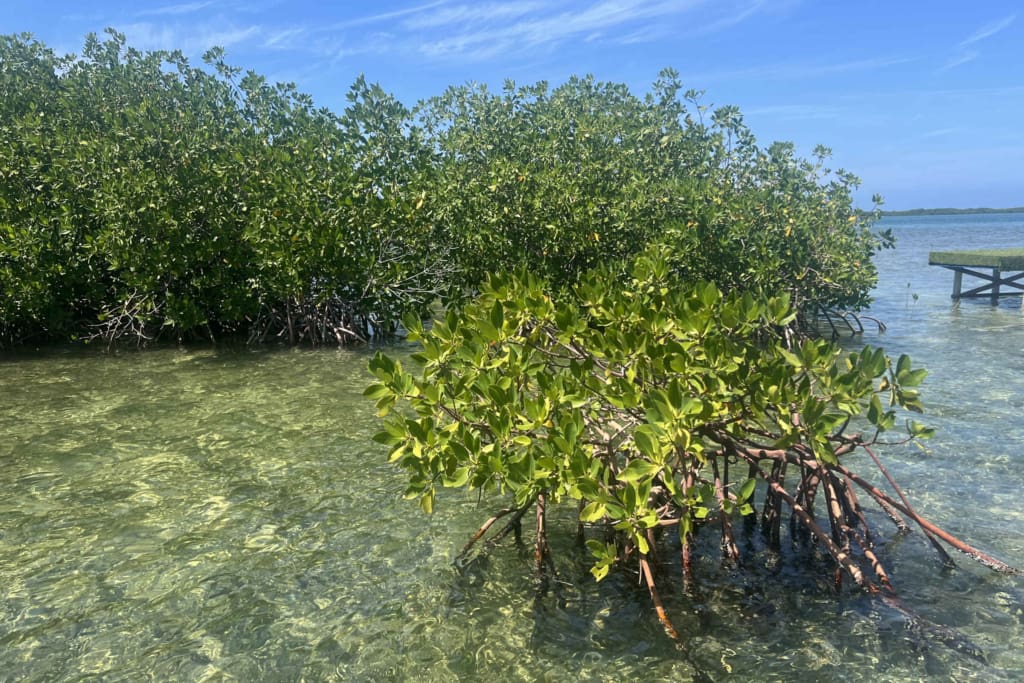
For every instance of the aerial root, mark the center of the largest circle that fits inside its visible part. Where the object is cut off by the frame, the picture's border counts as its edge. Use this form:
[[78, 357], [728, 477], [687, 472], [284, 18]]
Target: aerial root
[[910, 510], [728, 540], [513, 524], [950, 637], [837, 553], [645, 568], [541, 550], [926, 526], [483, 530], [686, 551]]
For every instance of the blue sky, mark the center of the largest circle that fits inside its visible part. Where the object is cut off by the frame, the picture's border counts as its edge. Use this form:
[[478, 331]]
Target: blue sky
[[923, 100]]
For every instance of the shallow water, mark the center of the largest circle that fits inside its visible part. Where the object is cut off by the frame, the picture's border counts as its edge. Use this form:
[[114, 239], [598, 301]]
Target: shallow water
[[222, 514]]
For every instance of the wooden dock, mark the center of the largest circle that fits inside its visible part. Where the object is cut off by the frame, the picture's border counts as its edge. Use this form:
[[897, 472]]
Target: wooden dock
[[1006, 266]]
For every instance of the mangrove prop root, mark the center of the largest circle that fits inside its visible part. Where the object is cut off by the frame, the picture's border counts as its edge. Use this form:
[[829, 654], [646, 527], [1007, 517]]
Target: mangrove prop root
[[728, 541], [769, 510], [513, 525], [686, 551], [975, 554], [581, 538], [835, 509], [645, 568], [893, 509], [894, 515], [868, 549], [541, 552], [949, 637], [835, 551], [836, 525], [848, 539], [855, 512], [906, 503], [483, 530]]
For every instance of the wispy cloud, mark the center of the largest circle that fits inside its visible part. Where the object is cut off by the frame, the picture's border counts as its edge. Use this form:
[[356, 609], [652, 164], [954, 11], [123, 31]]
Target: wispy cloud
[[384, 16], [284, 38], [962, 55], [797, 112], [333, 41], [961, 58], [464, 14], [182, 8], [483, 39], [648, 34], [462, 31], [733, 18], [798, 71], [988, 30], [449, 30], [940, 132], [190, 39]]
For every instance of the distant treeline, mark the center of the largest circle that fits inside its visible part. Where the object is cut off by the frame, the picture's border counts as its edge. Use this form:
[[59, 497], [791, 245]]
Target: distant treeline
[[949, 212], [144, 197]]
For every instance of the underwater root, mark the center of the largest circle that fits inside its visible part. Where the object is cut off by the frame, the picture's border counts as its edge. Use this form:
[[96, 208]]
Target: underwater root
[[839, 528]]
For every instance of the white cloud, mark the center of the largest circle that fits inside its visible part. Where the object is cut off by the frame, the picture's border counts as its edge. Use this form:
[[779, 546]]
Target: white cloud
[[988, 30], [384, 16], [961, 58], [454, 30], [543, 31], [462, 31], [940, 132], [285, 38], [189, 39], [182, 8], [734, 18], [476, 13], [797, 112], [797, 71]]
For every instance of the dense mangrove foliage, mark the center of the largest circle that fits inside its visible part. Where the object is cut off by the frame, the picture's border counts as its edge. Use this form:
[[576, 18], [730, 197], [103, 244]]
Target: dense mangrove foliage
[[143, 196], [657, 411]]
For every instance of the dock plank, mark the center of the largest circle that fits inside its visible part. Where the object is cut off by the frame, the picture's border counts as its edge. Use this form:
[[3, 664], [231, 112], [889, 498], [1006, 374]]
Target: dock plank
[[999, 260], [1003, 259]]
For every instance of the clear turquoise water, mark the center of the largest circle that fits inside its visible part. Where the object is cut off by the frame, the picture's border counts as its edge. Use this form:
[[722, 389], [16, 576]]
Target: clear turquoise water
[[221, 514]]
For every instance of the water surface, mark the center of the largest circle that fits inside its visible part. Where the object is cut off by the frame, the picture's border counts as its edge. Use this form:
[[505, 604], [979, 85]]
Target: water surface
[[222, 514]]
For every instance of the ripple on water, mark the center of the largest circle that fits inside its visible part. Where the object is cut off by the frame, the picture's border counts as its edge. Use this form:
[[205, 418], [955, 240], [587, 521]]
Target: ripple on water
[[223, 515]]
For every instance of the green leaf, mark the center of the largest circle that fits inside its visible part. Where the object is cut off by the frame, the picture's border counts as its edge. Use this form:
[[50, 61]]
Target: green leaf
[[638, 470], [913, 378], [497, 316], [646, 441], [790, 358], [641, 543], [458, 478], [592, 512], [875, 411], [387, 438], [919, 431], [376, 391], [746, 489]]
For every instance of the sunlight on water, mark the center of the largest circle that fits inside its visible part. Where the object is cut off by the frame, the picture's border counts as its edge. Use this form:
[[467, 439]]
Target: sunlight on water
[[223, 515]]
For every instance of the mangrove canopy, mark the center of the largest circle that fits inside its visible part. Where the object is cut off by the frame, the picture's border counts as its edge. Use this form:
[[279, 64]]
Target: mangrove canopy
[[144, 197]]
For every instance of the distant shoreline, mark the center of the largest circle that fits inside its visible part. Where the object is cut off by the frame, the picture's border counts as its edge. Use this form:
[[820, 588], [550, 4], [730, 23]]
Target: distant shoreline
[[950, 212]]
